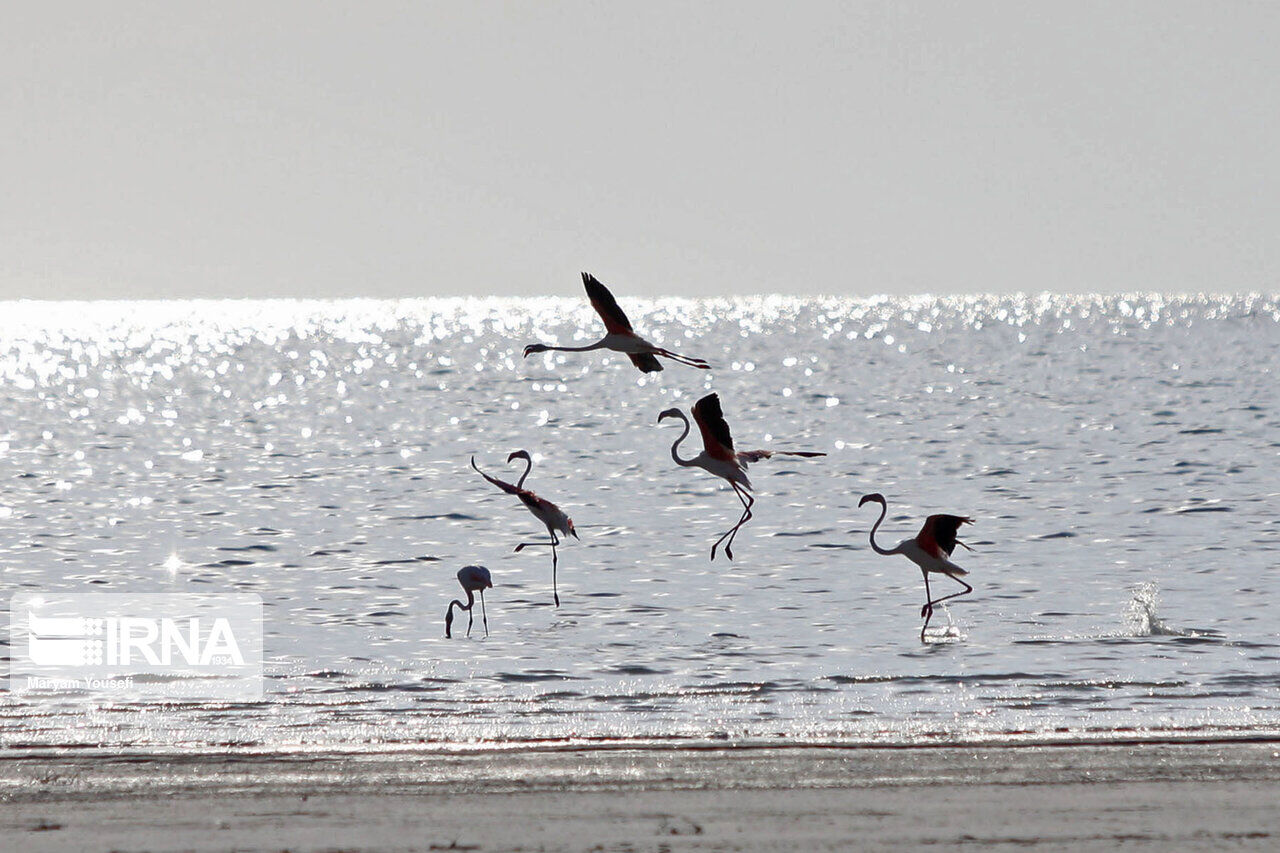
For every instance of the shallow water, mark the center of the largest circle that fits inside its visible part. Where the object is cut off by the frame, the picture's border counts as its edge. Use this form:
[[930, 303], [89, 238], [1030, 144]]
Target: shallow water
[[1121, 457]]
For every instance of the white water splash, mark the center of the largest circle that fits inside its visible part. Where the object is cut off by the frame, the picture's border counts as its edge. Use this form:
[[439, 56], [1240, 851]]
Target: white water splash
[[1141, 618], [951, 633]]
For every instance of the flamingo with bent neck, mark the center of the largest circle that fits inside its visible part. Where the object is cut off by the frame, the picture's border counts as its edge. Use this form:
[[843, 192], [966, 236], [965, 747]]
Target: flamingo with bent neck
[[719, 458], [542, 509], [930, 549]]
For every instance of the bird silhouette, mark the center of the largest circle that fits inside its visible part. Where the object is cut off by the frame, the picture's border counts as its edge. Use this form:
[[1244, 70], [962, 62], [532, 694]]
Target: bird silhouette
[[544, 510], [718, 457], [930, 549], [620, 336], [473, 579]]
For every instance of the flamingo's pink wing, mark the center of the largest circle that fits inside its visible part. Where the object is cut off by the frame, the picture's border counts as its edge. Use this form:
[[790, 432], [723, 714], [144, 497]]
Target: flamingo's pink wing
[[509, 488], [938, 535], [606, 306], [715, 430], [647, 362]]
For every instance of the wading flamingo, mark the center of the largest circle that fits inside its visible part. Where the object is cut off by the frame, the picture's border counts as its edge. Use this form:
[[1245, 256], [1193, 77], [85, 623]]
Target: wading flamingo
[[930, 549], [718, 457], [621, 337], [473, 579], [543, 510]]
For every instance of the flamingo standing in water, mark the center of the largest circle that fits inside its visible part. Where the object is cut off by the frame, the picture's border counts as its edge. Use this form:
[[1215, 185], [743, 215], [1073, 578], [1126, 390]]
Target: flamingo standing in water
[[718, 457], [473, 579], [621, 337], [930, 549], [543, 510]]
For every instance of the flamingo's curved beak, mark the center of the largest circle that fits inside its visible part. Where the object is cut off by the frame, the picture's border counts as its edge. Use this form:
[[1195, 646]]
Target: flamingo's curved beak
[[875, 496], [669, 413]]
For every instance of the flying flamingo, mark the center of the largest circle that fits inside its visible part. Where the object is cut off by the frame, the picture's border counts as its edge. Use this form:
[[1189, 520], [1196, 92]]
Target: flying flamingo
[[473, 579], [621, 337], [718, 457], [543, 510], [930, 549]]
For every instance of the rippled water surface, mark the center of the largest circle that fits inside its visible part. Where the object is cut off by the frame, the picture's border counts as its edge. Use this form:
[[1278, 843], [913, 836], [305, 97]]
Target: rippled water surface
[[1121, 457]]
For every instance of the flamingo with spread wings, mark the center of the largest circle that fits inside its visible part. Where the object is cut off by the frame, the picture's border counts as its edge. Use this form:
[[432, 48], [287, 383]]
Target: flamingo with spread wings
[[719, 457], [620, 336], [544, 510], [930, 549]]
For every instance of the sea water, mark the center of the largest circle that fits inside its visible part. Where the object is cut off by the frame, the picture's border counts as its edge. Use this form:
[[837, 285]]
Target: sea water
[[1120, 457]]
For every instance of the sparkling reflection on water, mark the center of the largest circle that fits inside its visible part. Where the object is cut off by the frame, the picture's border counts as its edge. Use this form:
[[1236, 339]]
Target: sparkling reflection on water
[[1121, 456]]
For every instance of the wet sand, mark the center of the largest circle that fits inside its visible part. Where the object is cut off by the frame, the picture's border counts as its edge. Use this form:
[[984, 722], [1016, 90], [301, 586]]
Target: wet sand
[[1187, 796]]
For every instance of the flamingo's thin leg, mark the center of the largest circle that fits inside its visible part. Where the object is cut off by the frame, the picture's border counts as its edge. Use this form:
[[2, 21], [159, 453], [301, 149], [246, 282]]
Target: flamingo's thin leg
[[927, 610], [484, 616], [555, 540], [967, 589], [683, 359], [716, 544], [555, 589], [747, 502], [723, 537]]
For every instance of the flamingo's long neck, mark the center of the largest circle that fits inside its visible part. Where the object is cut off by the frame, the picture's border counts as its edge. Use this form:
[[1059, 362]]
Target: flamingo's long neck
[[597, 345], [448, 616], [528, 466], [676, 444], [884, 510]]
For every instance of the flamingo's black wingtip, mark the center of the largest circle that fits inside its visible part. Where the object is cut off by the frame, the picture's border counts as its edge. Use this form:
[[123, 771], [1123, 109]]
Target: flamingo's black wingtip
[[712, 399]]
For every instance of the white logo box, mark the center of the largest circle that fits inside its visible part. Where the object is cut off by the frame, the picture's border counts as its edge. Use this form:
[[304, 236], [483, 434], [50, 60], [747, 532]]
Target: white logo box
[[143, 646]]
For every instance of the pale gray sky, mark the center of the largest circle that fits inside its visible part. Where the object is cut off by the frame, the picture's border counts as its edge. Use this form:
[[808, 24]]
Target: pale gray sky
[[403, 149]]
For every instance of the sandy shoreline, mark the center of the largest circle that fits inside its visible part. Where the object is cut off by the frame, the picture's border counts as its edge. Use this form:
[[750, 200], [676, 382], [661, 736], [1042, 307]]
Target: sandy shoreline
[[1177, 796]]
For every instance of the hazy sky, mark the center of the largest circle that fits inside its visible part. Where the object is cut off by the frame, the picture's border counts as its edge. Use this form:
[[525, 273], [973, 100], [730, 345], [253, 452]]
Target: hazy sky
[[404, 149]]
